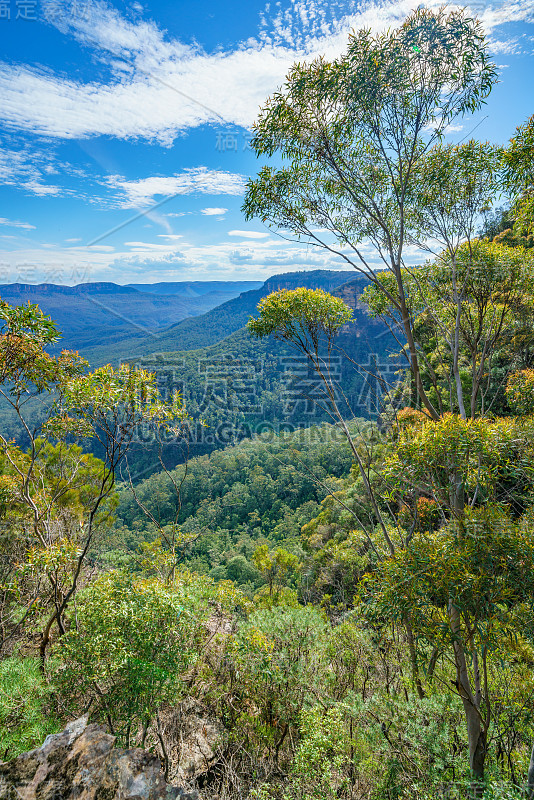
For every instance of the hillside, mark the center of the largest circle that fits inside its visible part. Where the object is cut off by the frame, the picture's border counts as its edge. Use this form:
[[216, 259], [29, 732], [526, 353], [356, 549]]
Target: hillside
[[219, 322], [242, 386], [92, 313], [236, 384], [261, 490], [197, 288]]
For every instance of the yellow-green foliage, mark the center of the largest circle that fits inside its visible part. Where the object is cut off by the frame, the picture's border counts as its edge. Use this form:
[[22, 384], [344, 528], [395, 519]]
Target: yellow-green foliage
[[132, 644], [299, 315], [520, 391], [485, 454]]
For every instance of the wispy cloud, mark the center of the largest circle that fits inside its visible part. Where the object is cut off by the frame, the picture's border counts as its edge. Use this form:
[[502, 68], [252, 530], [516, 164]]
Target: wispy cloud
[[16, 224], [453, 129], [201, 180], [493, 15], [28, 169], [212, 212], [249, 234], [169, 260], [154, 86], [99, 25]]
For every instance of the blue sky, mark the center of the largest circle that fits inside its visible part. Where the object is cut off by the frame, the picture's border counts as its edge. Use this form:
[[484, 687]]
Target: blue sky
[[109, 109]]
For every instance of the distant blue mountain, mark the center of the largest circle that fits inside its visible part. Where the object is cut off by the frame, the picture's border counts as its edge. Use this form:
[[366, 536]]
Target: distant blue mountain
[[96, 314], [221, 321], [196, 288], [108, 322]]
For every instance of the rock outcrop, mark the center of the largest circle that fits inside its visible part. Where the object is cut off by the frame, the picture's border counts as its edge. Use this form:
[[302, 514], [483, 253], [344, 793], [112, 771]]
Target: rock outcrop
[[81, 763], [193, 738]]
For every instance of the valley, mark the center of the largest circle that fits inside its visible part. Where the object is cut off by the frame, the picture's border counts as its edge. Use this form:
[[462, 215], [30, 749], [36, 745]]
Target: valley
[[267, 480]]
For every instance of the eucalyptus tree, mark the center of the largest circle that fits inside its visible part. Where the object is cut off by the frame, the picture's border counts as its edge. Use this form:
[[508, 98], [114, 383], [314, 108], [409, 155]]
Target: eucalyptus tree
[[309, 321], [455, 184], [355, 133], [519, 165], [468, 585], [363, 164], [471, 314]]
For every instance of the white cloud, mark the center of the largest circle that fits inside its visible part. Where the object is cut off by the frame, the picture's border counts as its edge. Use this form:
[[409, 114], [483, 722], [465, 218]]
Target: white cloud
[[101, 248], [100, 25], [302, 24], [171, 260], [27, 169], [160, 86], [507, 47], [40, 189], [494, 15], [15, 224], [170, 236], [154, 105], [211, 212], [137, 193], [249, 234], [151, 246], [453, 129]]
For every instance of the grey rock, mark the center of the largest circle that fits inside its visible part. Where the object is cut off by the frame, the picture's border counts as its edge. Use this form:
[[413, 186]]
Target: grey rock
[[81, 763], [193, 738]]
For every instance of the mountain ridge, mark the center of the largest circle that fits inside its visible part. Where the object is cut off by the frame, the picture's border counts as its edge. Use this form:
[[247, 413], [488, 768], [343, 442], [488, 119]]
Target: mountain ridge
[[109, 322], [225, 319], [90, 314], [195, 288]]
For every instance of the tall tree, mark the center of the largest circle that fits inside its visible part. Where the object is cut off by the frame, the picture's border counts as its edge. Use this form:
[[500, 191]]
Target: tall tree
[[362, 136], [519, 164], [356, 132]]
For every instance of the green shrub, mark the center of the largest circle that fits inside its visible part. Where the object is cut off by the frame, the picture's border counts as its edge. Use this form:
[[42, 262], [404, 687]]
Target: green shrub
[[133, 642], [25, 720]]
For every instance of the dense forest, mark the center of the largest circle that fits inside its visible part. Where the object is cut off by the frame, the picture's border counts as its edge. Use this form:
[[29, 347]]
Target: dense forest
[[337, 607], [236, 386], [256, 493]]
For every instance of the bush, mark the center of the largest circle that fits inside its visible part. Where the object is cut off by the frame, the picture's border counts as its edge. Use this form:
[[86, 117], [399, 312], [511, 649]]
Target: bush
[[25, 719], [134, 641]]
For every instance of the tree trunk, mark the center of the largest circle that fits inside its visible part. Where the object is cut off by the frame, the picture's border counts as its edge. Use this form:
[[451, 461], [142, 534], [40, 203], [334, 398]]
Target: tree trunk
[[416, 677], [45, 639], [477, 748], [476, 734], [530, 777]]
